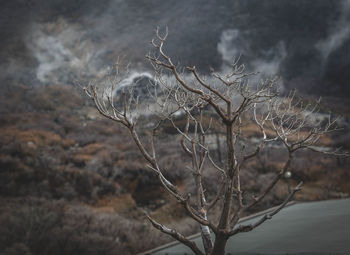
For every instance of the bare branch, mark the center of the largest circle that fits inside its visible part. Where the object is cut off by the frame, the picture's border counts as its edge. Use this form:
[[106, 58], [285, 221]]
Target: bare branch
[[192, 245], [196, 216], [210, 88], [217, 197], [247, 228], [272, 184]]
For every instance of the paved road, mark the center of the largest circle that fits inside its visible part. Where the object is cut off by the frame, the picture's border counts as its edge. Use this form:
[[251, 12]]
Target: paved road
[[302, 228]]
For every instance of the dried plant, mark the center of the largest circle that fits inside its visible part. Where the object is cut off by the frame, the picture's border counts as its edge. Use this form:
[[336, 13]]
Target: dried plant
[[232, 101]]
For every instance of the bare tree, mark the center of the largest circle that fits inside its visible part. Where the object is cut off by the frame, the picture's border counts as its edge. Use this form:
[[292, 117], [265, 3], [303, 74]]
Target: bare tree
[[232, 101]]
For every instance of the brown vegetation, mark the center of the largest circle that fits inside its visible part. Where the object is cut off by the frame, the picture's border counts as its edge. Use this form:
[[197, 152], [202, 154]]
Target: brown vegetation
[[69, 167]]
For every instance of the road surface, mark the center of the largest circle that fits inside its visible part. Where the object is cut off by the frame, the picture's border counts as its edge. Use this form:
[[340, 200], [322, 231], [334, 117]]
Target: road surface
[[302, 228]]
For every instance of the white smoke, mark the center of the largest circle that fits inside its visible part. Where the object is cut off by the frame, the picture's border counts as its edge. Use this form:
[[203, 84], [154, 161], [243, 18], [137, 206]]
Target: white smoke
[[268, 67], [64, 52], [233, 44], [134, 76], [341, 31], [229, 46], [51, 55]]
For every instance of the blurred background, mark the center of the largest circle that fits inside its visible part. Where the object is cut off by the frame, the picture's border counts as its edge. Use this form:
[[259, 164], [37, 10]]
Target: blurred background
[[72, 182]]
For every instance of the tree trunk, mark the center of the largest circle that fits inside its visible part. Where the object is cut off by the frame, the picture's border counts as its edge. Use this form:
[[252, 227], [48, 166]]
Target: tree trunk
[[220, 244], [207, 242]]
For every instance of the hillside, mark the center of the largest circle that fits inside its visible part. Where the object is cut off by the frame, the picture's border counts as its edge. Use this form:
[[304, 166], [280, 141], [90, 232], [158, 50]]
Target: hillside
[[74, 181]]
